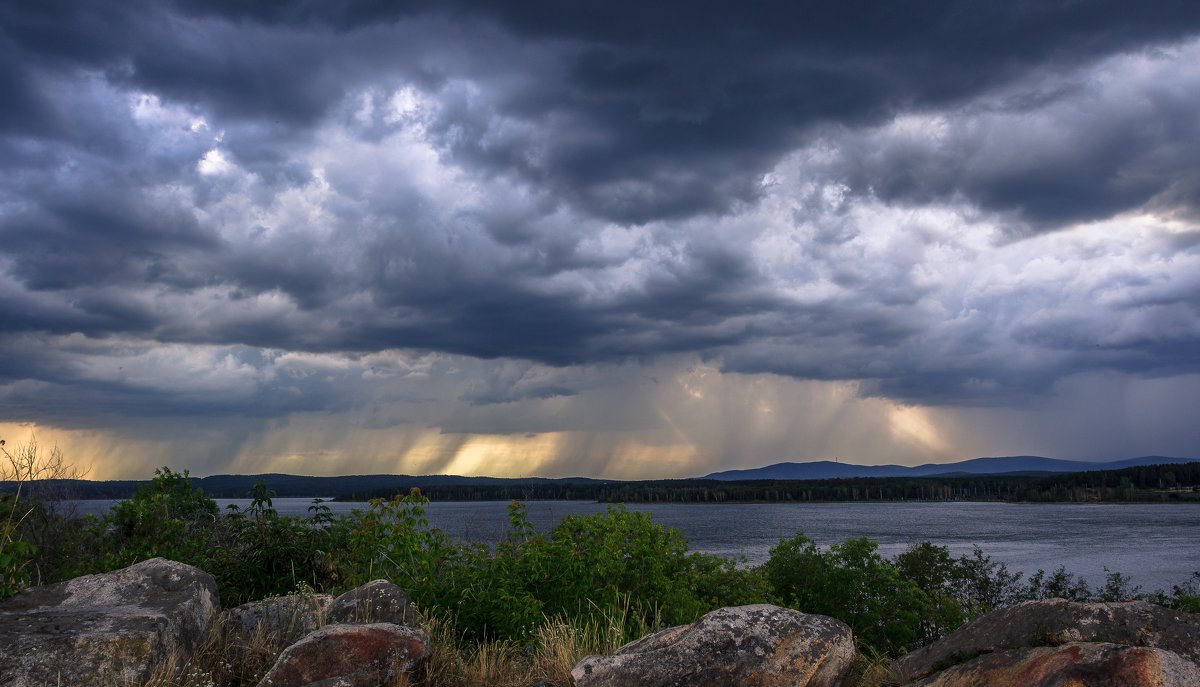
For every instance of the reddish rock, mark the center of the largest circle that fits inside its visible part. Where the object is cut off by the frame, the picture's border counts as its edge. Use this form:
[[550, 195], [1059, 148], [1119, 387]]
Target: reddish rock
[[1055, 622], [350, 656], [1071, 665], [744, 646]]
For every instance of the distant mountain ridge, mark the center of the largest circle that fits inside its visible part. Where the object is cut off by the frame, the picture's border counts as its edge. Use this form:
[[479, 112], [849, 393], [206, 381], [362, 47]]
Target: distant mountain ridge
[[828, 469]]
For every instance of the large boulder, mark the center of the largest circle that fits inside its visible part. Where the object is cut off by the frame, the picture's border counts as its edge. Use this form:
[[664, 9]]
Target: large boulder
[[750, 646], [350, 656], [295, 615], [101, 629], [1057, 622], [1086, 664], [378, 601], [292, 615]]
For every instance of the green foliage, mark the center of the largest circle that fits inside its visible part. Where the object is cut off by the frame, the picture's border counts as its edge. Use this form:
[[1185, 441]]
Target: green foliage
[[1059, 584], [268, 555], [1185, 597], [588, 570], [392, 539], [942, 579], [983, 585], [167, 517], [260, 500], [851, 581], [582, 569], [622, 552], [15, 552], [1118, 587], [23, 468]]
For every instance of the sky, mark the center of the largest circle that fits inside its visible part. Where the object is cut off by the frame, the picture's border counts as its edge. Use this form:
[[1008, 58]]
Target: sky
[[616, 239]]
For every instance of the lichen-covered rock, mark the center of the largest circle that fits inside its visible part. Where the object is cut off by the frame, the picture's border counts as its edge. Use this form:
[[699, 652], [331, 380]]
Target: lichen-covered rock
[[750, 646], [295, 615], [378, 601], [291, 615], [1055, 622], [1087, 664], [101, 629], [350, 656]]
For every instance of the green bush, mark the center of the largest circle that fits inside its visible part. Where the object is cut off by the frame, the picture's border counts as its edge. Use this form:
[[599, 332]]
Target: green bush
[[260, 553], [1059, 584], [590, 570], [168, 517], [941, 578], [15, 552], [852, 582]]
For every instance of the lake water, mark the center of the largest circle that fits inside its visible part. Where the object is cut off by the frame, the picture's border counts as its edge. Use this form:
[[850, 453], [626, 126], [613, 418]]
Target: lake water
[[1157, 545]]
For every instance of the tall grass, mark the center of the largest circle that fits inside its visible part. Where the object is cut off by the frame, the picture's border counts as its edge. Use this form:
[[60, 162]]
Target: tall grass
[[228, 657]]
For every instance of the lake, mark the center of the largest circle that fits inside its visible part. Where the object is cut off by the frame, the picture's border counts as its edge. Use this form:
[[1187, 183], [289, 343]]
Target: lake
[[1155, 544]]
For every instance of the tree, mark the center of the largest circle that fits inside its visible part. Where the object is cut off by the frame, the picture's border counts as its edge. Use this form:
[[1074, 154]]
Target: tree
[[169, 517], [21, 470]]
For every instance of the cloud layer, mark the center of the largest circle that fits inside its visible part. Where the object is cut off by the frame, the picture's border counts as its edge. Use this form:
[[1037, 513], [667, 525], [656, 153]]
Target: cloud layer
[[449, 220]]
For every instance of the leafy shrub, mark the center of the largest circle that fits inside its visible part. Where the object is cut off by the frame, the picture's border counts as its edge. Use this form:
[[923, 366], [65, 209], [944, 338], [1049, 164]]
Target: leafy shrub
[[983, 585], [1059, 584], [168, 517], [944, 581], [852, 582], [266, 554], [15, 552]]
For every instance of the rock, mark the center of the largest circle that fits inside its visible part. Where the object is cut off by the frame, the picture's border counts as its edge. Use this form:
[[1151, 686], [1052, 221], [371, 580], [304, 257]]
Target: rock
[[110, 628], [350, 656], [293, 615], [378, 601], [1056, 622], [1087, 664], [758, 646]]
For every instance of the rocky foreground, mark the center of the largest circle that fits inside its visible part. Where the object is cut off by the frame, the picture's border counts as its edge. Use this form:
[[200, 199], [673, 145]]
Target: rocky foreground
[[120, 628]]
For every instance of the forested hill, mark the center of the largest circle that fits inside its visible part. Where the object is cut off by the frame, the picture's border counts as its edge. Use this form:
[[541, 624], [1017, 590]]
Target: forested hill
[[348, 486], [1028, 465], [1171, 482], [1150, 483]]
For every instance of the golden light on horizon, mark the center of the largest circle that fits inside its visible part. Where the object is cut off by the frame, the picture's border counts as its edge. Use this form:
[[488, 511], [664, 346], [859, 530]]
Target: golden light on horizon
[[498, 455], [914, 424]]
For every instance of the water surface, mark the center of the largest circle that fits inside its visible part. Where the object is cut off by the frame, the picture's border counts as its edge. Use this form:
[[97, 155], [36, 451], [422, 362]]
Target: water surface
[[1156, 544]]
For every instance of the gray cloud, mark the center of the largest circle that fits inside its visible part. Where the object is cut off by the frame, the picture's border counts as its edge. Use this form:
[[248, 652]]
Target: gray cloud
[[244, 203], [1069, 148]]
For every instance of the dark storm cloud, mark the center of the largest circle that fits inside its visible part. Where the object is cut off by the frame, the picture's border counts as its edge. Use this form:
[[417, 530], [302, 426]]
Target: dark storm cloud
[[97, 237], [576, 184], [1102, 146], [644, 111]]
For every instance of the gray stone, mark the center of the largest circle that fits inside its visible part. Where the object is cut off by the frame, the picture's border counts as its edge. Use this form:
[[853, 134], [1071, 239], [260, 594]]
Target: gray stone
[[115, 627], [1055, 622], [293, 615], [752, 646], [378, 601], [1090, 664], [350, 656]]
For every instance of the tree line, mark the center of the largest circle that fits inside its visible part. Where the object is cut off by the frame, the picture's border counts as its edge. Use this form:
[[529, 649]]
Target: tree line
[[1148, 483]]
